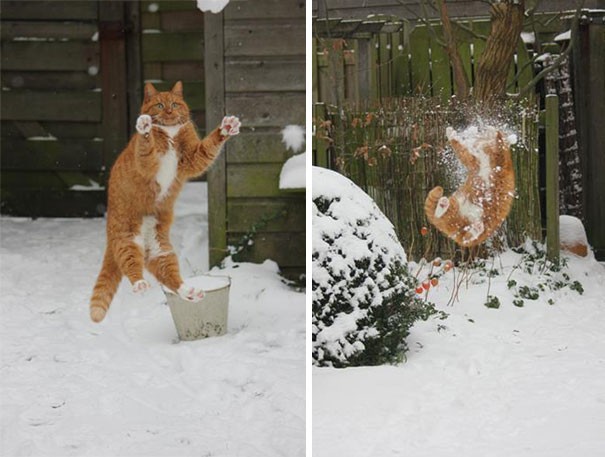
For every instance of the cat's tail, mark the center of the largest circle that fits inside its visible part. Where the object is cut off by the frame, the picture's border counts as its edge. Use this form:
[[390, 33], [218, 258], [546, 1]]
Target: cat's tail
[[105, 288], [430, 204]]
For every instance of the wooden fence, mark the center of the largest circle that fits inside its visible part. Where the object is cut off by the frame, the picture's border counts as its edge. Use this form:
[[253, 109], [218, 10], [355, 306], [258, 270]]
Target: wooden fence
[[72, 77]]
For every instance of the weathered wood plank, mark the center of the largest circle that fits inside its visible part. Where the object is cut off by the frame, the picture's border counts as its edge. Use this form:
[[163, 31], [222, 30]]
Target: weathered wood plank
[[134, 63], [50, 80], [250, 40], [265, 75], [49, 10], [268, 9], [50, 56], [254, 147], [82, 155], [267, 110], [67, 106], [283, 215], [149, 20], [182, 21], [420, 60], [170, 47], [21, 30], [112, 42], [160, 6], [552, 177], [440, 67], [60, 130], [253, 180], [215, 102], [60, 203], [184, 71], [287, 249]]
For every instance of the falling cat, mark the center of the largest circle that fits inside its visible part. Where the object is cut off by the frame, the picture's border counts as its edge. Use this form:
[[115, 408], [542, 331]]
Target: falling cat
[[143, 186], [476, 210]]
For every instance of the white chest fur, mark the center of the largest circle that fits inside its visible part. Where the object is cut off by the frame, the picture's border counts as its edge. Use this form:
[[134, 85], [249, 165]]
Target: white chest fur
[[168, 162], [147, 237]]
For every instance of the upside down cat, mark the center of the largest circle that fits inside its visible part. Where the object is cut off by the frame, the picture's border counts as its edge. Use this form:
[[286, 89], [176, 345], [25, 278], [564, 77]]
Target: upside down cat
[[143, 185], [478, 207]]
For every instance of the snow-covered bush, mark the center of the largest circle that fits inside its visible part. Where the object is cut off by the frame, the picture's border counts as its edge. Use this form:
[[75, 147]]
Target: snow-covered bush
[[364, 299]]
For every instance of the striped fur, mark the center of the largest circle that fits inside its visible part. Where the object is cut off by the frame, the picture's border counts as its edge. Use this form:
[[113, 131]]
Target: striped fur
[[143, 186], [475, 210]]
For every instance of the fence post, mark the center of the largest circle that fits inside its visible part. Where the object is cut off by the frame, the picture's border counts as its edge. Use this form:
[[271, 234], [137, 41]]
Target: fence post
[[552, 177]]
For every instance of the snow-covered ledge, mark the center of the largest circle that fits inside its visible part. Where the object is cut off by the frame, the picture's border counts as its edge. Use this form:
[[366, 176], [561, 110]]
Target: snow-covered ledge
[[292, 176]]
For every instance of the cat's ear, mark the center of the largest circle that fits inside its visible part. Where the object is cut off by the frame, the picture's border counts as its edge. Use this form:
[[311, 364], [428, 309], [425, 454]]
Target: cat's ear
[[150, 91], [178, 89]]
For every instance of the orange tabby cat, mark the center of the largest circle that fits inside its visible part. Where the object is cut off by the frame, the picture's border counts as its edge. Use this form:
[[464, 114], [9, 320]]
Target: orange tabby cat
[[474, 211], [144, 183]]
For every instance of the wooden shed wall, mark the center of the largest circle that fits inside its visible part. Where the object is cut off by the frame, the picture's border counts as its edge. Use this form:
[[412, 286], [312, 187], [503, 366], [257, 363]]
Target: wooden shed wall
[[52, 116], [412, 9], [256, 71], [172, 49]]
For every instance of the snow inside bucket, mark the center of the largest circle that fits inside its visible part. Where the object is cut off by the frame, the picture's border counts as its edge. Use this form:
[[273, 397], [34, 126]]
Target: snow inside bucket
[[205, 318]]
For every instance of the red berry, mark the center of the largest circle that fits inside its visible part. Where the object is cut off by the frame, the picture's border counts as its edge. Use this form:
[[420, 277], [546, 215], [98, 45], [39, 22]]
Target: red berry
[[437, 262], [434, 282], [424, 231], [448, 265], [419, 290], [426, 284]]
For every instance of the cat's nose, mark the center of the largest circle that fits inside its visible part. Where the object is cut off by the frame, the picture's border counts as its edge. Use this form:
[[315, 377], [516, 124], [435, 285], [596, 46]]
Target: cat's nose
[[168, 110]]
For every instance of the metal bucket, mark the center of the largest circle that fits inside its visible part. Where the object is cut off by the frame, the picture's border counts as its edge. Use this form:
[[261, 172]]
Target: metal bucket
[[208, 317]]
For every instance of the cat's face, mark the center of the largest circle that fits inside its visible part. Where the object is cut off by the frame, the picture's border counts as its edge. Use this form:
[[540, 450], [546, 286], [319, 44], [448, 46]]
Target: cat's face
[[165, 108]]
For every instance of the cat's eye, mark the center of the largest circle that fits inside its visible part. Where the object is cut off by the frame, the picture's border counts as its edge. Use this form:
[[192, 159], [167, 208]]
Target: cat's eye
[[160, 105], [174, 105]]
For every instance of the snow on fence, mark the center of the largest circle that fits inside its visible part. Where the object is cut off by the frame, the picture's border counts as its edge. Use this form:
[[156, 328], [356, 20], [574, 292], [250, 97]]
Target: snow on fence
[[396, 151]]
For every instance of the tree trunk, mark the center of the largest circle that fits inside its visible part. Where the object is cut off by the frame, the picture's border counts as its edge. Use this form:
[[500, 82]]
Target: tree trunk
[[495, 61], [461, 83]]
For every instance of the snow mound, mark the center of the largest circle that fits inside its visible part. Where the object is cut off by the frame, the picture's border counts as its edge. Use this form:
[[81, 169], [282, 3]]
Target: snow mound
[[292, 174], [213, 6], [363, 295], [572, 235]]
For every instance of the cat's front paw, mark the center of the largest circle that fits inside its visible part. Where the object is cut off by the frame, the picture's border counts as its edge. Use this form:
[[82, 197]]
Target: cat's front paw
[[190, 293], [230, 126], [141, 286], [143, 124]]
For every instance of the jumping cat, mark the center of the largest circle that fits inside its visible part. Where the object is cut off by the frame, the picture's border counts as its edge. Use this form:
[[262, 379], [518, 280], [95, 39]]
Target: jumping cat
[[476, 210], [143, 186]]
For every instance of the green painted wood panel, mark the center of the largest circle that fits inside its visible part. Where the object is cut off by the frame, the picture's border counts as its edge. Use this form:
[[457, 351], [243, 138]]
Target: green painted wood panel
[[267, 110], [51, 155], [50, 80], [49, 10], [253, 180], [252, 75], [170, 47], [287, 249], [47, 29], [50, 55], [66, 106], [258, 147], [420, 60], [268, 40], [285, 214]]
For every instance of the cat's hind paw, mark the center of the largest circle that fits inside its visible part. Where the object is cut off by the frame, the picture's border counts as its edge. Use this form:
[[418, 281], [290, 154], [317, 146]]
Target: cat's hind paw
[[442, 205], [190, 293], [141, 286], [143, 124], [230, 126]]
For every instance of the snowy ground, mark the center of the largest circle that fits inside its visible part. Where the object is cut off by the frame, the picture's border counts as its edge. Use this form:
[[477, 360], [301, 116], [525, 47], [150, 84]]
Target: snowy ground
[[523, 382], [127, 387]]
